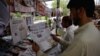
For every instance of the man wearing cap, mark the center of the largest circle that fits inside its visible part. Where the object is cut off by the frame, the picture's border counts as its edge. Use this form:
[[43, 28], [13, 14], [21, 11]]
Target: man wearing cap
[[87, 38]]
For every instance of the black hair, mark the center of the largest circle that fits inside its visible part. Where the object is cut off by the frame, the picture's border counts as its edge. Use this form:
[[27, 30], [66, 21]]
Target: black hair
[[88, 5], [67, 19], [98, 23]]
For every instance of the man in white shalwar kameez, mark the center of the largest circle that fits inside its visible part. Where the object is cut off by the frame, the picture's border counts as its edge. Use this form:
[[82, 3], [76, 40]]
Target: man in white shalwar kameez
[[87, 37]]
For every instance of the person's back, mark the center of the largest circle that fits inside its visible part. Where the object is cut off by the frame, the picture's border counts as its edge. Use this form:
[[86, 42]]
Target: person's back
[[89, 37]]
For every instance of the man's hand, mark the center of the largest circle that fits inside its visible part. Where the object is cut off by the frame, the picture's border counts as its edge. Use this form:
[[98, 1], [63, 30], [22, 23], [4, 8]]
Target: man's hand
[[55, 38], [35, 47]]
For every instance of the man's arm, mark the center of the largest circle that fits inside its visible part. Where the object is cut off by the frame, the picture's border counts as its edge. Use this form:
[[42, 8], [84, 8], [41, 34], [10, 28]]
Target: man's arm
[[61, 41]]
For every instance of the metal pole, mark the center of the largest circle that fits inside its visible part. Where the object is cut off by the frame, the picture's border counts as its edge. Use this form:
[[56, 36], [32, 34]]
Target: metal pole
[[35, 3], [58, 3], [57, 15]]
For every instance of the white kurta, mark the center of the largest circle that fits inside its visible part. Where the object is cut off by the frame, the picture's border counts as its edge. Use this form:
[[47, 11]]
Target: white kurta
[[69, 35], [86, 42]]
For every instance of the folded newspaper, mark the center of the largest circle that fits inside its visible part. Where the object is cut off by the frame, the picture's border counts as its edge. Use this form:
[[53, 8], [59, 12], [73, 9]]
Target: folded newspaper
[[41, 35]]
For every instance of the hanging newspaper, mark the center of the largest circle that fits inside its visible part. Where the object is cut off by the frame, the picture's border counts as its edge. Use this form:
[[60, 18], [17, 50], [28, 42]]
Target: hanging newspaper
[[18, 30], [29, 3], [21, 8], [29, 20], [41, 35]]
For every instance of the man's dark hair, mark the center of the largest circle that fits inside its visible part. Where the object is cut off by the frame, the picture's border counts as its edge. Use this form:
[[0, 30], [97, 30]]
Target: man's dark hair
[[66, 19], [88, 5]]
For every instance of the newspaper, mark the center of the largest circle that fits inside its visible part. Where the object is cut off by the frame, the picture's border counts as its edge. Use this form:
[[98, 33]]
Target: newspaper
[[18, 30], [41, 35], [28, 52]]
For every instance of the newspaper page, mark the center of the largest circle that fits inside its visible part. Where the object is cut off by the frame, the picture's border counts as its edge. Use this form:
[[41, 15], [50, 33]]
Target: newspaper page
[[18, 30], [27, 52], [41, 35]]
